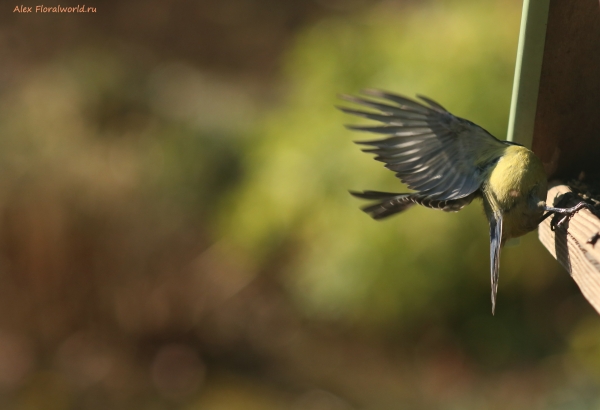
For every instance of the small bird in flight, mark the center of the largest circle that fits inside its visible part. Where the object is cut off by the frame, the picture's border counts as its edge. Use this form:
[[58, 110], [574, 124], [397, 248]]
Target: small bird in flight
[[449, 161]]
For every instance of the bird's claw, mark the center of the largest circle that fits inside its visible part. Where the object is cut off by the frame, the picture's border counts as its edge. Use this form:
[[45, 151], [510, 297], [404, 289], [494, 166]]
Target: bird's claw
[[558, 220], [563, 214]]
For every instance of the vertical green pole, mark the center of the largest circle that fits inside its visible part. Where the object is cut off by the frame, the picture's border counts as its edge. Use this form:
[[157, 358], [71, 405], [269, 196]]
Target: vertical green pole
[[527, 72]]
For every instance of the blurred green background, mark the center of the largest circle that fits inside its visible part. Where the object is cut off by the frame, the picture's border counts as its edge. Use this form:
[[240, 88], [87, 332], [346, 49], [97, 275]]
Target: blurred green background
[[176, 232]]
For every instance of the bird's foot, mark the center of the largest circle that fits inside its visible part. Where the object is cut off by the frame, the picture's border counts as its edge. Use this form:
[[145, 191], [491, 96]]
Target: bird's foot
[[561, 215]]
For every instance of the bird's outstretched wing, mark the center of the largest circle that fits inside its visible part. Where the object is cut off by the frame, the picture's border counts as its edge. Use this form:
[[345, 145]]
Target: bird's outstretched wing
[[441, 156]]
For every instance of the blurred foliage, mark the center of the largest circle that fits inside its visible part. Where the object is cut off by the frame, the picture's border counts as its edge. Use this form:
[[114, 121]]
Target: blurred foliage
[[301, 164], [175, 234]]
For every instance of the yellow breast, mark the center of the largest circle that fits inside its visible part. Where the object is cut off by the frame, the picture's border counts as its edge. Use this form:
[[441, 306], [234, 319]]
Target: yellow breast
[[517, 187]]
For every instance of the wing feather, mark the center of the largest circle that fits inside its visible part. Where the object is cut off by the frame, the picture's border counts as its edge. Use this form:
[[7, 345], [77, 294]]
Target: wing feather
[[441, 156], [398, 112], [399, 142], [402, 101], [434, 104], [397, 130]]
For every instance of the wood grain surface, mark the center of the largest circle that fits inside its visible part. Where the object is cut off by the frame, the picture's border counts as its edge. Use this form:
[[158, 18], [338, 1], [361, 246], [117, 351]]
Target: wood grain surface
[[571, 244], [567, 124]]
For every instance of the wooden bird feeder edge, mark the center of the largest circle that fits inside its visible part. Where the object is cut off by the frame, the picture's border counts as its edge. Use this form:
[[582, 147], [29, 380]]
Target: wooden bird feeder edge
[[574, 246]]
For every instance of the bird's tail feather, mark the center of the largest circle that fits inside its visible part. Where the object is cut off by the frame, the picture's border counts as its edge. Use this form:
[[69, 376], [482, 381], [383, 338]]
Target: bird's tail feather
[[388, 203], [495, 245]]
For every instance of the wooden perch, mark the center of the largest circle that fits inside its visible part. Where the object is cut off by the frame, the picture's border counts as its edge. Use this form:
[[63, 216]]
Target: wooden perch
[[557, 117], [573, 245]]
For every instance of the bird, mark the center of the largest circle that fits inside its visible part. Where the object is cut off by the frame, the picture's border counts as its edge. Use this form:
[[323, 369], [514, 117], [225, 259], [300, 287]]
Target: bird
[[450, 161]]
